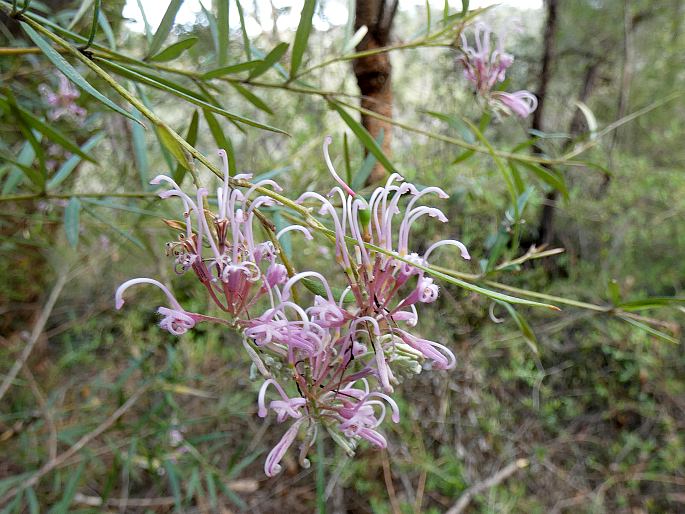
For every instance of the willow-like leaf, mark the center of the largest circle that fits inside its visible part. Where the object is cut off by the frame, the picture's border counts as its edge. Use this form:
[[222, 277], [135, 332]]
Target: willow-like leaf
[[302, 36], [69, 71]]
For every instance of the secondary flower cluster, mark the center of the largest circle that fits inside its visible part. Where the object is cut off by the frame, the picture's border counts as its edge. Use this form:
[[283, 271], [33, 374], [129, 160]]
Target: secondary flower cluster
[[485, 65], [342, 350], [63, 101]]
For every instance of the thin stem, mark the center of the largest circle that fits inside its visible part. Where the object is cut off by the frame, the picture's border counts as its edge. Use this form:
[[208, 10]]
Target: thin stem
[[94, 25], [35, 196], [459, 142]]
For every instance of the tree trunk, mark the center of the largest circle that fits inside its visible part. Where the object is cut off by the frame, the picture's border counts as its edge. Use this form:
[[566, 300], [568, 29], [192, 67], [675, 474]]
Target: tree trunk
[[546, 227], [374, 72]]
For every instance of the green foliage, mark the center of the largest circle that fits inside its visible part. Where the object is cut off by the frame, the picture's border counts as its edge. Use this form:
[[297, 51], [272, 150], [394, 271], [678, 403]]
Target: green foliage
[[591, 395]]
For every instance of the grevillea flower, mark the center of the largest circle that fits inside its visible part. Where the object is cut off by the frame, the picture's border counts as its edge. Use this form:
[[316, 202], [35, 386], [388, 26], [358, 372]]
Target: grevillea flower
[[485, 65], [521, 103], [63, 101], [342, 351]]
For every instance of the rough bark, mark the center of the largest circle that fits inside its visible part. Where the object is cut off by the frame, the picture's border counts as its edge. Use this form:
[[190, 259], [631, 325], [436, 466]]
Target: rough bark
[[374, 72], [546, 227]]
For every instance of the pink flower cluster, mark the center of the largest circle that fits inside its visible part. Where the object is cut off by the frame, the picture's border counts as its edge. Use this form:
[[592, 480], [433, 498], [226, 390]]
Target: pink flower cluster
[[63, 101], [340, 352], [485, 66]]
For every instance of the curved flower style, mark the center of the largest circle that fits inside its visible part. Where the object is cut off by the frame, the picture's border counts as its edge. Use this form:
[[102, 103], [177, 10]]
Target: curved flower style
[[521, 103], [176, 319], [343, 352]]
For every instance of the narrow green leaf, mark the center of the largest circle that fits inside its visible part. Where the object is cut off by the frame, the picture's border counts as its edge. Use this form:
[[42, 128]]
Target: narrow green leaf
[[140, 151], [25, 158], [519, 184], [111, 204], [222, 32], [614, 292], [71, 221], [69, 491], [271, 58], [168, 158], [83, 9], [94, 23], [171, 52], [211, 490], [116, 229], [174, 484], [191, 138], [320, 476], [317, 288], [222, 142], [164, 27], [367, 166], [211, 20], [231, 495], [107, 29], [134, 75], [506, 173], [463, 156], [464, 7], [33, 175], [346, 154], [193, 483], [459, 282], [50, 132], [32, 500], [251, 97], [258, 54], [455, 123], [650, 330], [286, 240], [549, 176], [69, 71], [148, 29], [72, 162], [174, 147], [301, 36], [38, 177], [364, 136], [524, 327], [651, 303], [243, 28], [228, 70]]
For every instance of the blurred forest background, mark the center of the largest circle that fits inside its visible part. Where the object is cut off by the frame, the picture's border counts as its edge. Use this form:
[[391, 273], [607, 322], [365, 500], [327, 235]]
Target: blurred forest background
[[581, 410]]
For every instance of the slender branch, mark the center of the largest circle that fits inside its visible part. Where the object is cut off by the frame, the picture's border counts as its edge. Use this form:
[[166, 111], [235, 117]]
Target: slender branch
[[459, 142], [35, 196], [35, 333], [77, 447], [486, 484]]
